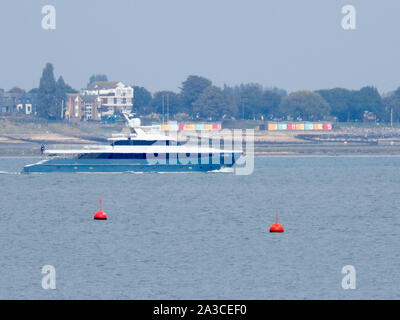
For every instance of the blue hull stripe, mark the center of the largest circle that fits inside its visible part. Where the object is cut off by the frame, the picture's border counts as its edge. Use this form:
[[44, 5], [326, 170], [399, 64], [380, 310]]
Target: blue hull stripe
[[119, 168]]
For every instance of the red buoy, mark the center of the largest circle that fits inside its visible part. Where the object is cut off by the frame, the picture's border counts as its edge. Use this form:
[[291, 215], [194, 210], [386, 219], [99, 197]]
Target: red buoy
[[100, 215], [276, 227]]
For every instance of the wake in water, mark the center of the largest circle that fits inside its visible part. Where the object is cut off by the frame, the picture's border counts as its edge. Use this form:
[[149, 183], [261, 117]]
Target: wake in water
[[5, 172], [223, 170], [160, 172]]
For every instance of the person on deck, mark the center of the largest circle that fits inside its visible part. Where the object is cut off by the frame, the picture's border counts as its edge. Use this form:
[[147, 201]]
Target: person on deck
[[42, 148]]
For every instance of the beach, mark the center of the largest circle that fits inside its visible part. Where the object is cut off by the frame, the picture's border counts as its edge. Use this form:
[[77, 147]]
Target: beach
[[23, 137]]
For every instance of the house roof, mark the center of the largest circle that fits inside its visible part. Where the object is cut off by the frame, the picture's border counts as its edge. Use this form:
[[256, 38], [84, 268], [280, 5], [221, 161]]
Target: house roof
[[101, 85], [16, 90]]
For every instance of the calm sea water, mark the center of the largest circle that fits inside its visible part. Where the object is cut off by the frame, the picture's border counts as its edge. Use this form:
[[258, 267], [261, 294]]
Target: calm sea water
[[204, 235]]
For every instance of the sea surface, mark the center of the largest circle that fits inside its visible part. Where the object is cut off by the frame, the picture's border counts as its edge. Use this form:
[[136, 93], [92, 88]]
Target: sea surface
[[204, 235]]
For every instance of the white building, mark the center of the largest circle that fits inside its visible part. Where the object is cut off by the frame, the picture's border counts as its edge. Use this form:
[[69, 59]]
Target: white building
[[112, 96]]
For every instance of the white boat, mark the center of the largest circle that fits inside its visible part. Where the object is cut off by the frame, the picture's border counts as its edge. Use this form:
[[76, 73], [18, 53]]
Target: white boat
[[139, 151]]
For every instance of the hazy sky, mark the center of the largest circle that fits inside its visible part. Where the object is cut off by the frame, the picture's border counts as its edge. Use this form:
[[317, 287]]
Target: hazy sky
[[292, 44]]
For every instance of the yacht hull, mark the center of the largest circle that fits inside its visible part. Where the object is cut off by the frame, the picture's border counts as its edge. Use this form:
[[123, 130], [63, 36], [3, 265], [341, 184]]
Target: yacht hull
[[120, 166]]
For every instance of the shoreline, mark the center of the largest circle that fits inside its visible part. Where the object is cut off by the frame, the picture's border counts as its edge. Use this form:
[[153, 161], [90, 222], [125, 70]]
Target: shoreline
[[32, 150], [266, 156], [23, 140]]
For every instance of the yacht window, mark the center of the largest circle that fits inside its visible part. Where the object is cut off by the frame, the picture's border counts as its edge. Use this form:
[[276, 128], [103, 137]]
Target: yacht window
[[130, 142]]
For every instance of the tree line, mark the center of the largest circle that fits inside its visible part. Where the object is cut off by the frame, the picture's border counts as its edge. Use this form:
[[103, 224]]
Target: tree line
[[200, 99]]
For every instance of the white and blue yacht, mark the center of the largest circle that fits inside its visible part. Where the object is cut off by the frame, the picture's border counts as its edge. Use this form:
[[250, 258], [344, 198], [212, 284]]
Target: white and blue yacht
[[138, 151]]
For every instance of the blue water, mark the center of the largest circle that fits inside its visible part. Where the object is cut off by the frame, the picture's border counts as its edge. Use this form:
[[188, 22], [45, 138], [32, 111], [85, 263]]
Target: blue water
[[204, 235]]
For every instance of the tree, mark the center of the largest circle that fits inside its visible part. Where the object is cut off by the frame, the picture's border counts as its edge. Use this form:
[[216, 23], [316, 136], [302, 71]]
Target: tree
[[212, 104], [166, 102], [46, 99], [34, 90], [250, 100], [367, 99], [62, 89], [61, 94], [192, 88], [270, 104], [231, 97], [50, 94], [340, 101], [349, 105], [141, 100], [392, 106], [305, 105], [97, 77]]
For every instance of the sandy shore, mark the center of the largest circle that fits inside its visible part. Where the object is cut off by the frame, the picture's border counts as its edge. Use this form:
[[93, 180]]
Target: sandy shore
[[23, 137], [18, 148]]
